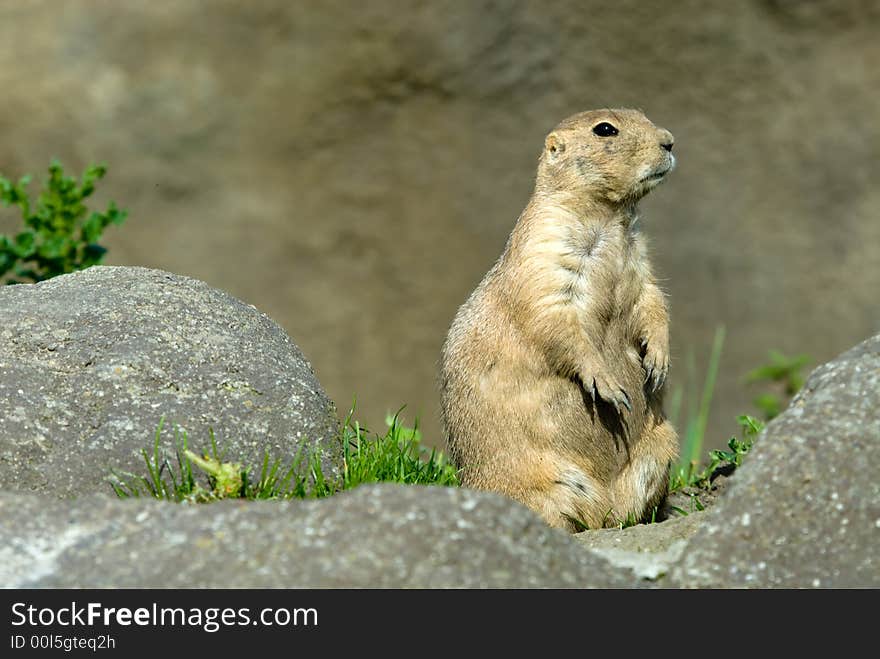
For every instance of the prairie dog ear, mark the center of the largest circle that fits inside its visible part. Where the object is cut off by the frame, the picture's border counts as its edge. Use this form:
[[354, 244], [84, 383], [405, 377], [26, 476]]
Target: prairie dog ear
[[554, 144]]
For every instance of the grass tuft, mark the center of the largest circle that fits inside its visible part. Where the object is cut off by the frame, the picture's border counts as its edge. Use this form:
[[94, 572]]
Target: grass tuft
[[396, 457], [695, 428]]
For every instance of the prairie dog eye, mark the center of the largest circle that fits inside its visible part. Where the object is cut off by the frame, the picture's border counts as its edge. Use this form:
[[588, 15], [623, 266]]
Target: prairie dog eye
[[605, 129]]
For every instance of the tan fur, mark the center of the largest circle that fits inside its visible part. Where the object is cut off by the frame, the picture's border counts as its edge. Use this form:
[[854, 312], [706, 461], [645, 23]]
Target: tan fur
[[552, 373]]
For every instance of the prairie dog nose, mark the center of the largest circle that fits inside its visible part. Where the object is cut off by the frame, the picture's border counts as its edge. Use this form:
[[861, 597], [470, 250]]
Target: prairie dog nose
[[666, 140]]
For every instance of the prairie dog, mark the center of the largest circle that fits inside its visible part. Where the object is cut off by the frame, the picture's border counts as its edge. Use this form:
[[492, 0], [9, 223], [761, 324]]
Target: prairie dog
[[552, 373]]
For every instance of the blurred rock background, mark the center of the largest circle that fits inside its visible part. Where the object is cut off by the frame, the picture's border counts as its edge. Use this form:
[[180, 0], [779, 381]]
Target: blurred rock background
[[353, 169]]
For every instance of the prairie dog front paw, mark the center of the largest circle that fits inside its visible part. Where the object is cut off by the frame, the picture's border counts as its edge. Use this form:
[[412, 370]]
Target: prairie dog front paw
[[598, 381], [656, 358]]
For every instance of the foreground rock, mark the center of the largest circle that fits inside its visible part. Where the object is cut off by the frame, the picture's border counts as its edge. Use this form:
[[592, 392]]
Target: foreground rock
[[91, 361], [386, 536], [648, 550], [804, 509]]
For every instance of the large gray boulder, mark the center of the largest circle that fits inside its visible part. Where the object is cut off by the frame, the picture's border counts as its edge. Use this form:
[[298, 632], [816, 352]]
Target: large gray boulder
[[90, 362], [804, 509], [381, 536]]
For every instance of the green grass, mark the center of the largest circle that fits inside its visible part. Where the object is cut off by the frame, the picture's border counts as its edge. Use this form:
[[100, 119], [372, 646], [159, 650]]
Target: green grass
[[694, 433], [397, 457]]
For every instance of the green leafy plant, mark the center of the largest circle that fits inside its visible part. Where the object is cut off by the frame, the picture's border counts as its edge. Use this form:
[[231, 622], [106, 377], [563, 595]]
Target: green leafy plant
[[397, 457], [60, 234], [719, 459], [783, 371], [785, 374]]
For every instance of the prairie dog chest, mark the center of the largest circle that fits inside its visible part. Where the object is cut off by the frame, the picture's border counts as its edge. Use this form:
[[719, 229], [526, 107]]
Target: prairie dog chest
[[598, 262]]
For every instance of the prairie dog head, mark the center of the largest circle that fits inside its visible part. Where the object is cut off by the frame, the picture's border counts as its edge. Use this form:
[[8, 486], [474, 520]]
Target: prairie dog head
[[612, 156]]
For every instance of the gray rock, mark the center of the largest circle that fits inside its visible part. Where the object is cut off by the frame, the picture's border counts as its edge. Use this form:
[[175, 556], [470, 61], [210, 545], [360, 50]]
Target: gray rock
[[386, 536], [90, 362], [647, 549], [804, 509]]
